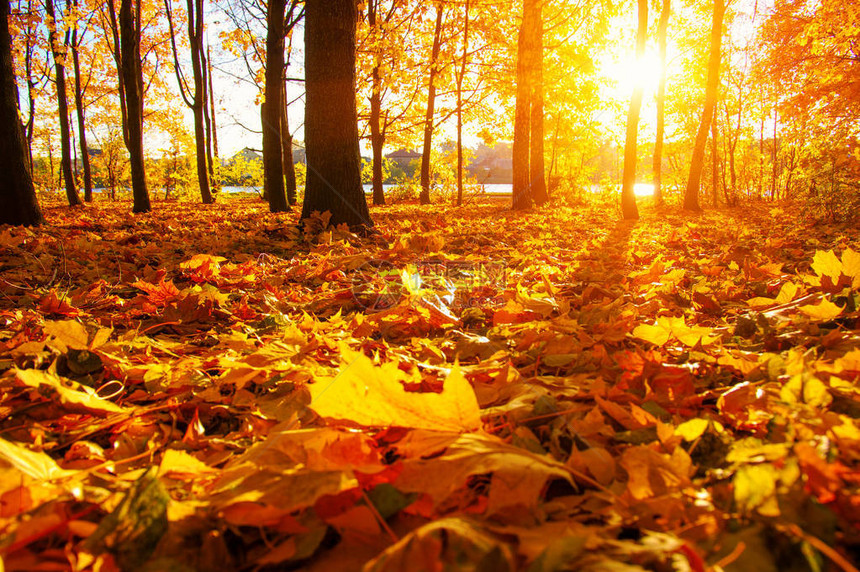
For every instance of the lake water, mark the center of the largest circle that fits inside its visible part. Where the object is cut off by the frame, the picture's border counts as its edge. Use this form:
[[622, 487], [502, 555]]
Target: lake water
[[640, 189]]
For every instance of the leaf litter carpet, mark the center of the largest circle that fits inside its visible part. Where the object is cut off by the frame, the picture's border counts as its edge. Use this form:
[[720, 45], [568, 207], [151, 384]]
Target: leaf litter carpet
[[205, 388]]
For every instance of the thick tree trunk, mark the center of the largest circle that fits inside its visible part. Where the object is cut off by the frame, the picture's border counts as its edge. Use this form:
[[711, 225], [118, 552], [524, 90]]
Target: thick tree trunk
[[691, 196], [287, 148], [628, 178], [62, 107], [18, 204], [431, 106], [331, 120], [522, 196], [662, 28], [537, 168], [273, 168], [129, 32], [82, 133]]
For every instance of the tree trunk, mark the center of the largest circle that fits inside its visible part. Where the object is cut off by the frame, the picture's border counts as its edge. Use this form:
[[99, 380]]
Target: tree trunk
[[18, 203], [331, 120], [32, 86], [199, 99], [212, 127], [715, 160], [62, 107], [431, 104], [79, 106], [628, 178], [273, 168], [129, 32], [460, 76], [691, 196], [773, 156], [287, 148], [537, 168], [662, 28], [377, 137], [522, 196]]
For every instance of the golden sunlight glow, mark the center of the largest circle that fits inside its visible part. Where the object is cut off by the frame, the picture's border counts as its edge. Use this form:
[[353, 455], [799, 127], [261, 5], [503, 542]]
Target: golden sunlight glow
[[627, 73]]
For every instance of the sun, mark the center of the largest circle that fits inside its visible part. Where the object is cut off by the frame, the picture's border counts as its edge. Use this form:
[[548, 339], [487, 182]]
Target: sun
[[627, 73]]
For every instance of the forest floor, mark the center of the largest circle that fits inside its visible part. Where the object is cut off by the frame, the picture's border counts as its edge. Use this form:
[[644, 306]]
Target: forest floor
[[203, 388]]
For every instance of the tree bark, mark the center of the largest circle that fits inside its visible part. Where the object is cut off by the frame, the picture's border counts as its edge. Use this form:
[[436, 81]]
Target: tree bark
[[59, 53], [273, 168], [460, 76], [537, 168], [662, 28], [522, 196], [287, 148], [18, 203], [431, 104], [715, 163], [377, 135], [82, 133], [628, 178], [212, 127], [691, 196], [129, 32], [331, 119]]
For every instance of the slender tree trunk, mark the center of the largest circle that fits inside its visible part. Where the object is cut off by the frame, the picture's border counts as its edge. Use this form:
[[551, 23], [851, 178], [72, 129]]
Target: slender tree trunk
[[31, 89], [213, 127], [628, 179], [537, 168], [287, 148], [460, 76], [200, 98], [691, 196], [273, 168], [129, 32], [59, 53], [79, 106], [331, 119], [662, 28], [18, 203], [377, 137], [522, 196], [773, 157], [431, 104], [715, 160]]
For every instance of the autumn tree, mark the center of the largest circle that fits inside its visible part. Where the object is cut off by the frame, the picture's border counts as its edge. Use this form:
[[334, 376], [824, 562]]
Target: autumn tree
[[628, 178], [691, 195], [18, 204], [331, 121], [77, 39], [198, 98], [529, 176], [662, 28], [59, 50], [431, 104], [126, 28]]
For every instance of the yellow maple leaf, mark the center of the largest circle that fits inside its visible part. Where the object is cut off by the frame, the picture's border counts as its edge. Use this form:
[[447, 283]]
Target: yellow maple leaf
[[826, 310], [851, 266], [374, 396], [826, 264], [654, 334]]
